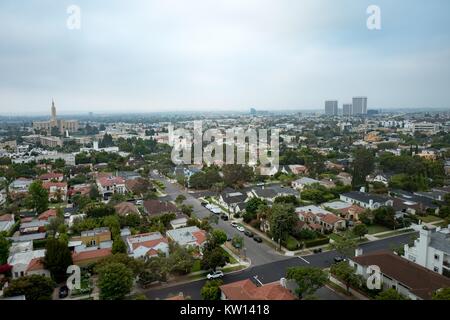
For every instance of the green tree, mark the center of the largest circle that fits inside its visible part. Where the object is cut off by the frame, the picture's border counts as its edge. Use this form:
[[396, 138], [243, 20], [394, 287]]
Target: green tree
[[390, 294], [115, 281], [345, 246], [218, 237], [344, 272], [38, 197], [283, 219], [57, 258], [34, 287], [211, 290], [94, 194], [137, 266], [180, 259], [179, 199], [214, 257], [308, 279], [99, 209], [236, 175], [5, 244], [360, 230], [363, 165], [442, 294], [118, 245], [237, 242]]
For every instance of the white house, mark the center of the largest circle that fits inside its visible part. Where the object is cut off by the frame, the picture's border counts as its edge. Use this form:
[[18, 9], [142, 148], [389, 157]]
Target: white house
[[147, 245], [109, 185], [21, 261], [366, 200], [6, 222], [301, 183], [188, 237], [431, 250], [407, 278]]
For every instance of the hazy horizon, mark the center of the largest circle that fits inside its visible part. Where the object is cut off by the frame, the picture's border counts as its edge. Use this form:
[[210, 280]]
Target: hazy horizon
[[227, 55]]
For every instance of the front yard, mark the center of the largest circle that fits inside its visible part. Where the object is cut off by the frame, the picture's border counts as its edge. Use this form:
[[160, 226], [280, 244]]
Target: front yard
[[375, 228], [430, 218]]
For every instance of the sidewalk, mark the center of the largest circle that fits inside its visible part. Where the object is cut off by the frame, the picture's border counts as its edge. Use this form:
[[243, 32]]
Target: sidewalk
[[353, 292]]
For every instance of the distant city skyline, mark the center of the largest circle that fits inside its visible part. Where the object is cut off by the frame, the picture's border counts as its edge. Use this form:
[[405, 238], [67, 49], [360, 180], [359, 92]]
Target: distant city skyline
[[226, 55]]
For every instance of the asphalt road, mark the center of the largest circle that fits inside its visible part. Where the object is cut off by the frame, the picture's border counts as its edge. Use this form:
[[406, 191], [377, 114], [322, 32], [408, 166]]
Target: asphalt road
[[258, 253], [267, 266]]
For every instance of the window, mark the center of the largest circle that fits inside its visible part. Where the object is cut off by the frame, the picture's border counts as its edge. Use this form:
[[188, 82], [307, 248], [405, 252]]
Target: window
[[436, 269], [437, 257]]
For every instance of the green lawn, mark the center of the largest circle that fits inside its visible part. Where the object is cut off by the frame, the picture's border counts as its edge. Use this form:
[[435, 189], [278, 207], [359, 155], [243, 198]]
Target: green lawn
[[394, 233], [335, 236], [197, 266], [232, 260], [375, 228], [231, 269], [429, 218]]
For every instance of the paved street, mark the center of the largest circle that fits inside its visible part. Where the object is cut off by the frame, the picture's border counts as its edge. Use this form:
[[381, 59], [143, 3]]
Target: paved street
[[267, 266], [258, 253], [273, 271]]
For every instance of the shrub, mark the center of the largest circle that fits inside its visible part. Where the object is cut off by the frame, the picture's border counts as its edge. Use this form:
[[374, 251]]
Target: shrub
[[316, 242]]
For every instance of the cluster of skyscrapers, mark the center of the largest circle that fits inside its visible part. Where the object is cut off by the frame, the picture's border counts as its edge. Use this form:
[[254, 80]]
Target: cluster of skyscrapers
[[357, 107]]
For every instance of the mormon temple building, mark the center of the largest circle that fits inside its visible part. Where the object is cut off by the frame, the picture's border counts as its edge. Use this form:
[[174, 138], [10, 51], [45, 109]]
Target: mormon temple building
[[62, 125]]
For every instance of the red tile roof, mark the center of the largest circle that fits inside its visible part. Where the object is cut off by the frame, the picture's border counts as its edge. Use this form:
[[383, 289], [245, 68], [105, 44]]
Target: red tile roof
[[50, 176], [35, 264], [330, 219], [200, 236], [247, 290], [110, 181], [49, 184], [7, 217], [90, 255], [149, 243], [47, 214]]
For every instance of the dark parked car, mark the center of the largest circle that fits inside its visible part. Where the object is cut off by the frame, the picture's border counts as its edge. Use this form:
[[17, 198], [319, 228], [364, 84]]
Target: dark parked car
[[224, 217], [257, 239], [318, 250], [338, 259], [248, 233], [63, 292]]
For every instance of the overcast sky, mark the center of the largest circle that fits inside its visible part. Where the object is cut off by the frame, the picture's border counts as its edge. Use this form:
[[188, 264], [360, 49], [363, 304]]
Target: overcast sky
[[169, 55]]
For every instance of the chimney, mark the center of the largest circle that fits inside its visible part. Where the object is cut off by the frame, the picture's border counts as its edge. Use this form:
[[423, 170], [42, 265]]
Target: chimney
[[363, 189], [283, 282], [358, 252]]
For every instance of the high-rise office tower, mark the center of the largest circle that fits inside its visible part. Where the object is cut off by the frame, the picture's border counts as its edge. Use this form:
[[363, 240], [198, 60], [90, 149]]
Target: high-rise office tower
[[347, 109], [359, 105], [331, 108]]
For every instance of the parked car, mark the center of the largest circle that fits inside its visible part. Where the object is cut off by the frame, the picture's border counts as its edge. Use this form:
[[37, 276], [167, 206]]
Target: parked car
[[248, 233], [63, 292], [240, 228], [318, 250], [338, 259], [224, 217], [257, 239], [234, 224], [214, 275]]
